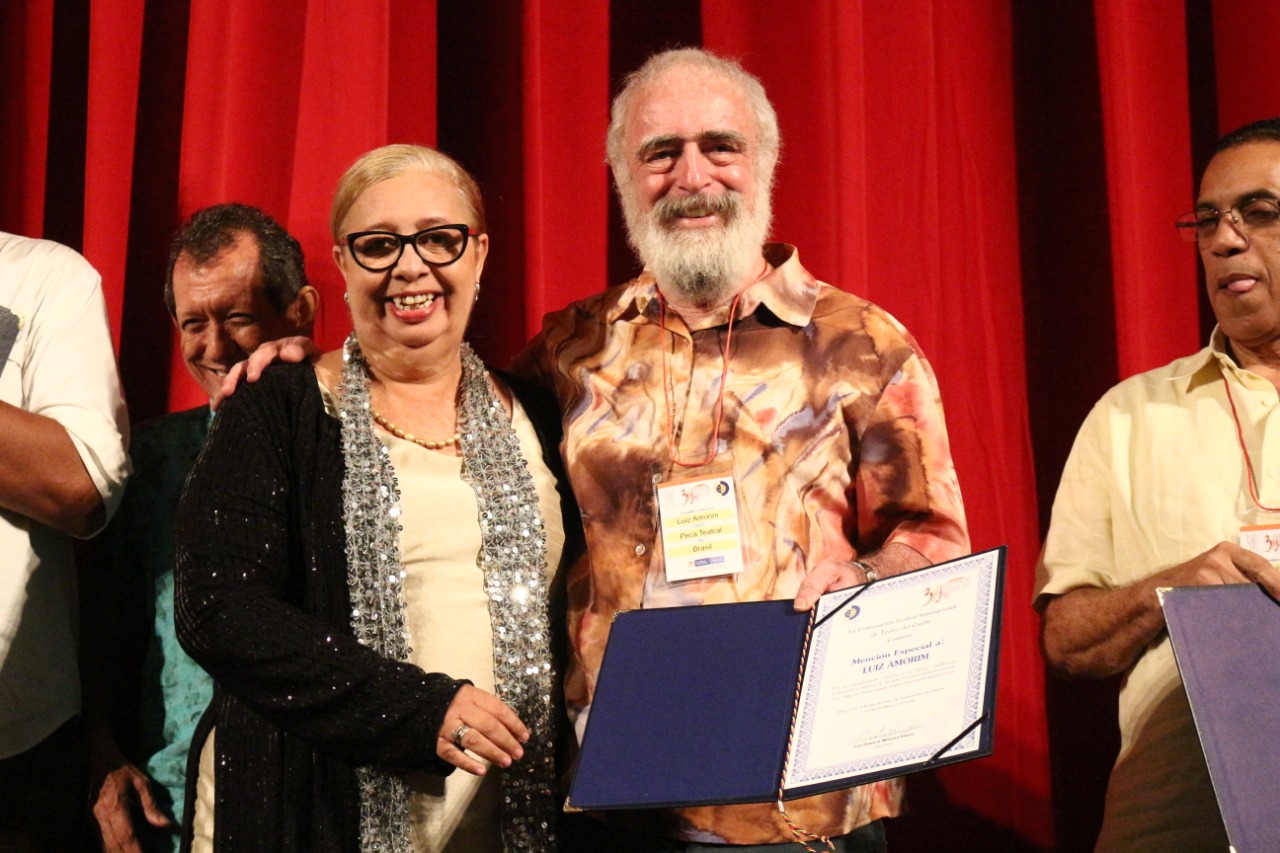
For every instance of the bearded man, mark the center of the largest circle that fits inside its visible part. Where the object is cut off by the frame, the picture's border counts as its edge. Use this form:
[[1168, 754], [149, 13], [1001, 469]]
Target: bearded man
[[726, 358]]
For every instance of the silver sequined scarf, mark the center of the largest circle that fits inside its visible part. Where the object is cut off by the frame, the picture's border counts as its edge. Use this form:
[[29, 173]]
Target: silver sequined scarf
[[513, 560]]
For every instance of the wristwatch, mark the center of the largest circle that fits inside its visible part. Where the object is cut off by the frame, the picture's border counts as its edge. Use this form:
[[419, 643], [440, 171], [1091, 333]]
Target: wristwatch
[[872, 574]]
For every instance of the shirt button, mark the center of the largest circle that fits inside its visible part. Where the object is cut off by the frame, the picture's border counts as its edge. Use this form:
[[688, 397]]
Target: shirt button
[[640, 550]]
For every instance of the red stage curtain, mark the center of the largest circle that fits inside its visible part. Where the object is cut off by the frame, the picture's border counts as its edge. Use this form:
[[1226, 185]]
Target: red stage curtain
[[1001, 176], [565, 102], [1243, 33], [1142, 55], [115, 54], [27, 65]]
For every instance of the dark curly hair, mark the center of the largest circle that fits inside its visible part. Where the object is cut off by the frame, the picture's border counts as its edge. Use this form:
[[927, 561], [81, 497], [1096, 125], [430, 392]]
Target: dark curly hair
[[214, 229], [1263, 130]]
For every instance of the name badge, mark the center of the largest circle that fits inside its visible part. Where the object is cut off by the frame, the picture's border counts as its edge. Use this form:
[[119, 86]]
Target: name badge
[[699, 525], [1263, 540]]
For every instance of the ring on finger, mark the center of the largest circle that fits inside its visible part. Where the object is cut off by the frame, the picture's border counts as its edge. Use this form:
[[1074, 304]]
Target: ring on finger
[[458, 734]]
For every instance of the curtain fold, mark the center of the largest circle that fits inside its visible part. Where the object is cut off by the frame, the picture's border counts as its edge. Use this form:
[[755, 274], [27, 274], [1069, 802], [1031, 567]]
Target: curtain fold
[[896, 185], [1146, 115], [367, 78], [27, 65], [566, 184], [115, 55], [1244, 35]]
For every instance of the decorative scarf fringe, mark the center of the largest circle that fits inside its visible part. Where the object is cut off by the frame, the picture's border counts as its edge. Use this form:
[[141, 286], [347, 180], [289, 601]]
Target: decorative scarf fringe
[[513, 559]]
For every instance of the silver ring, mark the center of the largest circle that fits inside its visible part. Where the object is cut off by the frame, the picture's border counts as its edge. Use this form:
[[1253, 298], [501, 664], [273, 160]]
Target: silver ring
[[457, 735]]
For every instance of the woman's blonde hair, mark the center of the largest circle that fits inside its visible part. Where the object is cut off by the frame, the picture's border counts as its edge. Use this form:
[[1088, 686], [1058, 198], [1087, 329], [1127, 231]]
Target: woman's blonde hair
[[387, 162]]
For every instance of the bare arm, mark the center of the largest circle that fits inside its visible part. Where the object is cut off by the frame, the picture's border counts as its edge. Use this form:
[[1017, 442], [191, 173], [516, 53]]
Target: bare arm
[[63, 427], [1100, 632], [42, 475]]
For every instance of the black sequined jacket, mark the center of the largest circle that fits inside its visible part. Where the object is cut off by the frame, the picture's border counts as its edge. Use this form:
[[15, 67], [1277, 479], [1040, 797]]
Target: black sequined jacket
[[262, 604]]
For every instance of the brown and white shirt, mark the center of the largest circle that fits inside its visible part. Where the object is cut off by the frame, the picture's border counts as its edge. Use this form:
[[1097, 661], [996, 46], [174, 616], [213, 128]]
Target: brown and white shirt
[[832, 428]]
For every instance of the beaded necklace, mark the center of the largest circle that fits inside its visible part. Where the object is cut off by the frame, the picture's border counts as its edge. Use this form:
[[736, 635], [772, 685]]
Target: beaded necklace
[[408, 436]]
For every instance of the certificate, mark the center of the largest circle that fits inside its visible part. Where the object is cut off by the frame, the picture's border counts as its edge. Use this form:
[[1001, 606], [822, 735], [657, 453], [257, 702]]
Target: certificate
[[752, 702], [897, 675]]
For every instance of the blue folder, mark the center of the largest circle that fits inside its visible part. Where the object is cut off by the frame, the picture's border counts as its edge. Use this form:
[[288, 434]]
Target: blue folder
[[1225, 640], [693, 707]]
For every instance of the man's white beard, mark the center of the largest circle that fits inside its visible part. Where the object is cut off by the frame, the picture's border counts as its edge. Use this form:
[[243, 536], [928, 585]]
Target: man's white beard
[[702, 265]]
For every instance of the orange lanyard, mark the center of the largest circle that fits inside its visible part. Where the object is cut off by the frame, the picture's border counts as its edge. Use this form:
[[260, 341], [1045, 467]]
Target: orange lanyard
[[1248, 463], [666, 386]]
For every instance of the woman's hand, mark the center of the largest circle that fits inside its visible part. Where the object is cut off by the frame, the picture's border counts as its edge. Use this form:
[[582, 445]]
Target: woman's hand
[[489, 729]]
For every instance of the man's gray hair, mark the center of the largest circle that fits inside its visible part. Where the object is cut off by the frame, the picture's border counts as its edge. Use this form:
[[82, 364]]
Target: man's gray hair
[[706, 62]]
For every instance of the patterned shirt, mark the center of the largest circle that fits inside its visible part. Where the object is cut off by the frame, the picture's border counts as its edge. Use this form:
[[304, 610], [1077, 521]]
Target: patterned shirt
[[831, 427]]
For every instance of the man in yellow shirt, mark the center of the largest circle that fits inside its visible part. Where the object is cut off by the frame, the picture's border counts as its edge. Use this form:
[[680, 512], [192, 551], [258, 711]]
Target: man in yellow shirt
[[1167, 470]]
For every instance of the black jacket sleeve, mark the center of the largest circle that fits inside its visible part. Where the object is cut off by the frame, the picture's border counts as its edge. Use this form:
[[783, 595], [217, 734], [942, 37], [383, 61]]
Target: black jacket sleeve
[[262, 598]]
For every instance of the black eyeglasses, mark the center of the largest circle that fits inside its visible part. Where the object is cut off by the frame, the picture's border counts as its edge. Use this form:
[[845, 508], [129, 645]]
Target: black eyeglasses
[[1247, 218], [438, 246]]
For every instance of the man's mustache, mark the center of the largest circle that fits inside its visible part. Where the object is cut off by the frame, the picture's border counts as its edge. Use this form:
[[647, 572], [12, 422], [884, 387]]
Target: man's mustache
[[727, 205]]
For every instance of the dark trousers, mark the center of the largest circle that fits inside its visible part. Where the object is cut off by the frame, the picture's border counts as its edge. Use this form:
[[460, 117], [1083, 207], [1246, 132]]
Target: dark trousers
[[581, 833], [43, 800]]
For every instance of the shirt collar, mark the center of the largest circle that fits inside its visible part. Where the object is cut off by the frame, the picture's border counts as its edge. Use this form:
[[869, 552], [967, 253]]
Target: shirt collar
[[1212, 362], [787, 290]]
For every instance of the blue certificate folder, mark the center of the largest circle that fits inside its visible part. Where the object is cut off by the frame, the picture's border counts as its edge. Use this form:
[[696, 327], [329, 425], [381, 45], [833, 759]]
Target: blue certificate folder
[[1225, 640], [694, 706]]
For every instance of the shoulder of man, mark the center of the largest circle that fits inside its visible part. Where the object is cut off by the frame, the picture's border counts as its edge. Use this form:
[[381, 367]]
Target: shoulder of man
[[842, 313], [1157, 380], [157, 439], [594, 308], [35, 256]]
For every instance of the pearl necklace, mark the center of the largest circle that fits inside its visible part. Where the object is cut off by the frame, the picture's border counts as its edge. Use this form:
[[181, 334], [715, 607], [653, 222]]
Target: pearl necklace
[[408, 436]]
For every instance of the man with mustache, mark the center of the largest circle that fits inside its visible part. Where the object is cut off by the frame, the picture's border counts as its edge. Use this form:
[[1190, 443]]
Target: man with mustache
[[1167, 475], [725, 358], [235, 279]]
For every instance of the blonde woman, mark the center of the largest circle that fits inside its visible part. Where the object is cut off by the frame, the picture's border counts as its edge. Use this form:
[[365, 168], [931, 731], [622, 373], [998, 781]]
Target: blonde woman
[[367, 552]]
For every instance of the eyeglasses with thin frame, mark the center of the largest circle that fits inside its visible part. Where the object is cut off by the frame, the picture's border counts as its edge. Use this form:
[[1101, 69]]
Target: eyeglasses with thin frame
[[439, 246], [1247, 218]]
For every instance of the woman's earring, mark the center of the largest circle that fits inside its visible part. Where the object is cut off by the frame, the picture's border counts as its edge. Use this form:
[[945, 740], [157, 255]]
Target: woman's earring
[[346, 297], [477, 299]]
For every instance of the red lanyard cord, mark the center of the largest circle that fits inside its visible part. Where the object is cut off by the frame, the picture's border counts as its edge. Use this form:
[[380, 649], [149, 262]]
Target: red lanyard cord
[[1248, 463], [666, 387]]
